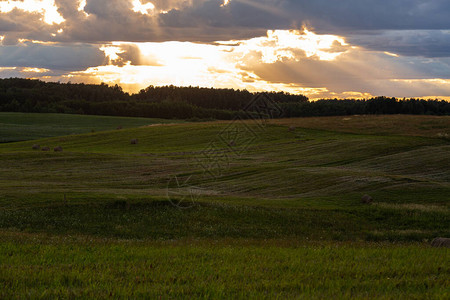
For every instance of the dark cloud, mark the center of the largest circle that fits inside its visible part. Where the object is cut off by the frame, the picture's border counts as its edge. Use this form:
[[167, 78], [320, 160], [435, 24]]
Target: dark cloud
[[7, 25], [333, 16], [113, 10], [59, 57], [347, 15], [114, 20], [426, 43]]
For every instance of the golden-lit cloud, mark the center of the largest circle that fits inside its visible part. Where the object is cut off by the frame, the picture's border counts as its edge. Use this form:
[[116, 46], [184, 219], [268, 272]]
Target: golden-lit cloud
[[47, 8], [225, 3], [111, 52], [437, 81], [279, 45], [35, 70], [81, 7], [391, 54], [207, 65], [144, 9], [26, 42]]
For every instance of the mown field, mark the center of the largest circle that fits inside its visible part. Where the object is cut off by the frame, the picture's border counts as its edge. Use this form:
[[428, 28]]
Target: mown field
[[220, 210]]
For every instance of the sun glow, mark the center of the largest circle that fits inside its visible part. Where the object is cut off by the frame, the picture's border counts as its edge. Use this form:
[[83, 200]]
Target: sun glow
[[47, 8], [223, 64], [133, 78], [164, 63]]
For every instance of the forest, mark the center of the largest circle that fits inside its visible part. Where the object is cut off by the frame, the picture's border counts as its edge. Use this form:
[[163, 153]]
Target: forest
[[170, 102]]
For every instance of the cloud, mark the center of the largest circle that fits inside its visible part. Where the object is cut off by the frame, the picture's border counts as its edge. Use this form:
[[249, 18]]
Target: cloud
[[121, 54], [59, 57], [369, 72], [294, 61], [41, 73], [176, 41], [426, 43], [45, 8], [18, 24], [351, 15], [371, 23]]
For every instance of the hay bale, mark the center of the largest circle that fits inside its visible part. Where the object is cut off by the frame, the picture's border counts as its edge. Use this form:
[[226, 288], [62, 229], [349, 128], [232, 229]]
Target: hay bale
[[366, 199], [58, 149], [441, 242], [36, 147], [45, 148], [134, 141], [292, 128]]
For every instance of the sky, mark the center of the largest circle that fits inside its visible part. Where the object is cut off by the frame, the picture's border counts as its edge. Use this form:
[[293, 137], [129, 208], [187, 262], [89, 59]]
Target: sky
[[320, 48]]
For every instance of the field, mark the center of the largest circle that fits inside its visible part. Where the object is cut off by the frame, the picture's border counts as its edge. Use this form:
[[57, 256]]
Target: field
[[16, 127], [227, 210]]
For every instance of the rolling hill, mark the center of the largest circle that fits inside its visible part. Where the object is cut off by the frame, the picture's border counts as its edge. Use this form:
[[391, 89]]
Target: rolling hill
[[192, 202]]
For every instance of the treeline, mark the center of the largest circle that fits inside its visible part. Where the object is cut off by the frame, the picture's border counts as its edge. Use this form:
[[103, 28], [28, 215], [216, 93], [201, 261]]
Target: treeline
[[373, 106], [228, 99], [25, 95]]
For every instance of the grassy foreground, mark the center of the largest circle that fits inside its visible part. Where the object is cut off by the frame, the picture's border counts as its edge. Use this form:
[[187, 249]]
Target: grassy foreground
[[230, 210], [233, 269]]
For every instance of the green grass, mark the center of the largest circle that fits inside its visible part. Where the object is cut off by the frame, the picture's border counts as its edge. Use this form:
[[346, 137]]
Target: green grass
[[104, 269], [29, 126], [281, 218]]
